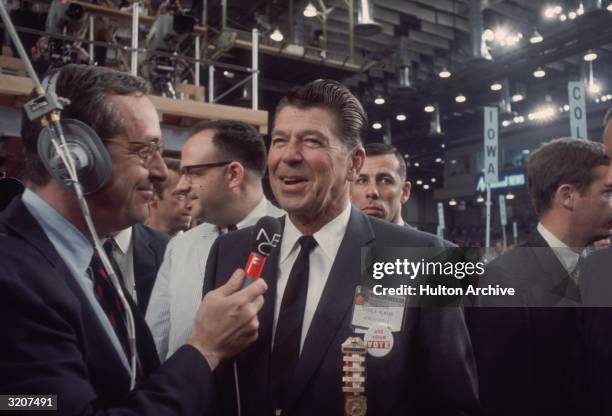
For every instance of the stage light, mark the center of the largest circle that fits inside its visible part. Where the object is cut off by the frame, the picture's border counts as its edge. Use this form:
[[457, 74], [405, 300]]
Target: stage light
[[571, 15], [377, 126], [400, 117], [419, 182], [563, 18], [566, 107], [452, 202], [429, 108], [379, 100], [277, 35], [536, 37], [460, 98], [594, 88], [445, 73], [506, 123], [517, 97], [509, 195], [416, 164], [433, 180], [310, 10], [496, 86], [438, 160], [590, 56], [488, 35], [549, 12], [539, 73], [425, 186], [480, 199]]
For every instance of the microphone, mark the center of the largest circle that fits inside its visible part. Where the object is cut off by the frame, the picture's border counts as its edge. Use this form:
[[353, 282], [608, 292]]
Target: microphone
[[266, 236]]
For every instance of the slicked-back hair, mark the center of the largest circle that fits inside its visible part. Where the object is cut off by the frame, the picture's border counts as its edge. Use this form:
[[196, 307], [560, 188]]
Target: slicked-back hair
[[173, 165], [562, 161], [89, 89], [351, 119], [235, 140], [381, 149]]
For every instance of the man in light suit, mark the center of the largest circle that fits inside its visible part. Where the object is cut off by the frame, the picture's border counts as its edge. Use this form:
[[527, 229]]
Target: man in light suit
[[528, 355], [295, 367], [61, 319], [222, 164], [382, 187]]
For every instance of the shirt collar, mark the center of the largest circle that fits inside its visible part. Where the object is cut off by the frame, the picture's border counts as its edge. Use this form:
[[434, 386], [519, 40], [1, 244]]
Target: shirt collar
[[567, 256], [74, 249], [123, 239], [329, 237], [260, 210]]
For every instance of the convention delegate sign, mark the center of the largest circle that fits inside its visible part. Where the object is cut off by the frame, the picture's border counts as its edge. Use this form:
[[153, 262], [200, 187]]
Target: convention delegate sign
[[491, 145], [577, 103]]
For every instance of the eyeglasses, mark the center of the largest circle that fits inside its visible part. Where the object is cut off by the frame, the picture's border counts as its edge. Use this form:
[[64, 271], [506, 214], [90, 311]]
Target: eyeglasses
[[145, 150], [190, 172]]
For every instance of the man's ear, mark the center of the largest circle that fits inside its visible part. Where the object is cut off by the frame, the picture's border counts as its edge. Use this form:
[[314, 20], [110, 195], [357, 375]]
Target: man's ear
[[357, 159], [155, 201], [235, 174], [565, 196], [406, 188]]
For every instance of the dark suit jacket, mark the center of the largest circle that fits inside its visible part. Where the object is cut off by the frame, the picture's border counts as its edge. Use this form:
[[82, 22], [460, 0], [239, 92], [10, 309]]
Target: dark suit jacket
[[53, 343], [527, 356], [149, 247], [596, 335], [429, 371]]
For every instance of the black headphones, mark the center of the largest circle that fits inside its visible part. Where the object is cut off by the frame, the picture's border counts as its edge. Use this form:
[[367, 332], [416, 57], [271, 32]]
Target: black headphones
[[92, 161]]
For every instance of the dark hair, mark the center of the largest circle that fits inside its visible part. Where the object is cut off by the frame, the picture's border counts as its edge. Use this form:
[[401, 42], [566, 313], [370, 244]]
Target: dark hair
[[351, 119], [380, 149], [173, 165], [235, 140], [608, 116], [562, 161], [89, 89]]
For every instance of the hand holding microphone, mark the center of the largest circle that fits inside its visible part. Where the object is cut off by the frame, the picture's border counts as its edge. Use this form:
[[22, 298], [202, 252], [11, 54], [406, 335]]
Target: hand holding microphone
[[226, 322]]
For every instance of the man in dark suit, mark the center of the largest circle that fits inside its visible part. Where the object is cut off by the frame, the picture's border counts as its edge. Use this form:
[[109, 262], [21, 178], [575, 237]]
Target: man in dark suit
[[381, 189], [295, 367], [138, 252], [63, 324], [527, 352], [596, 322]]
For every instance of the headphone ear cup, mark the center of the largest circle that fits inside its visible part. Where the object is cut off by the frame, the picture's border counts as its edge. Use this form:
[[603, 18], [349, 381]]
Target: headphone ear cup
[[92, 161]]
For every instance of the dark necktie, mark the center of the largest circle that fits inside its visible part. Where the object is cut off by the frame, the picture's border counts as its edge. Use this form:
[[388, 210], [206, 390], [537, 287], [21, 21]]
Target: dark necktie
[[109, 301], [286, 349]]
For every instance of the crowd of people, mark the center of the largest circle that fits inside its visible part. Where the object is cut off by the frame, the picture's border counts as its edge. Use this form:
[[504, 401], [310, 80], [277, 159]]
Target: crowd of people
[[206, 343]]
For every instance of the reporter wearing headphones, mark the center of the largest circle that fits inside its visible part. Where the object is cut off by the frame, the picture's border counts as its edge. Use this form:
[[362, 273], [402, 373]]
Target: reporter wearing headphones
[[66, 328]]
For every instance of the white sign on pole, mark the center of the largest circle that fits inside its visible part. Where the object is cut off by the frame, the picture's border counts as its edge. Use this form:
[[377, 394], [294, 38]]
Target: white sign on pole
[[503, 219], [441, 215], [577, 116], [491, 144]]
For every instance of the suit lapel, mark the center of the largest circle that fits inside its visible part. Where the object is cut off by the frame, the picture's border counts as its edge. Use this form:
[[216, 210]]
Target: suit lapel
[[145, 263], [556, 279], [97, 355], [336, 301]]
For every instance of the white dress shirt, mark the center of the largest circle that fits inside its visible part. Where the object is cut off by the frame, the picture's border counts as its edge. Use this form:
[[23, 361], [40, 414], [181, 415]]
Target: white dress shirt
[[321, 259], [567, 256], [123, 253], [177, 292]]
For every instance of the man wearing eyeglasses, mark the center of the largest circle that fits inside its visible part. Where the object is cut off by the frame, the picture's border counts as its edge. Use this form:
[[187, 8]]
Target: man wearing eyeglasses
[[170, 208], [222, 164], [65, 327]]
